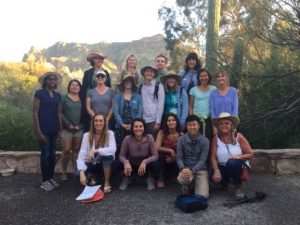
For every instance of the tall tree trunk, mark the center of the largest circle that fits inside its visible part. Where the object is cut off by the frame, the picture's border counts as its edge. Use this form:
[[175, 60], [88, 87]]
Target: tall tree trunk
[[212, 41]]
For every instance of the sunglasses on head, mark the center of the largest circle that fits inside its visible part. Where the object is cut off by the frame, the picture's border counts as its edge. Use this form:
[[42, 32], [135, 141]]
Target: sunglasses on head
[[100, 75]]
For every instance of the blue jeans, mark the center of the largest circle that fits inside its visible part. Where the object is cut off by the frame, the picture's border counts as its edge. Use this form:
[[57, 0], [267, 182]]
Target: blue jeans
[[48, 156], [231, 171]]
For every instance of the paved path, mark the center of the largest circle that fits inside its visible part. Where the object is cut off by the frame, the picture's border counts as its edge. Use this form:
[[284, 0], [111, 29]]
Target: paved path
[[23, 202]]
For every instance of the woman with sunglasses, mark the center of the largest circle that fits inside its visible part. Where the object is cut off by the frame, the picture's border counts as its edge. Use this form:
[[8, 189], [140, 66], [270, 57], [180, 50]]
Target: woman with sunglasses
[[100, 100]]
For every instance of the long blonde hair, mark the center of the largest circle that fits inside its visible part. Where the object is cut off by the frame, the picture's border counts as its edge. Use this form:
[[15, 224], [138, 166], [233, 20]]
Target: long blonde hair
[[103, 140], [226, 75]]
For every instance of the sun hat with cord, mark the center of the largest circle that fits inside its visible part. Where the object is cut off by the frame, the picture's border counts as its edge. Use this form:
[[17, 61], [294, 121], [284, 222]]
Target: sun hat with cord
[[225, 115], [51, 73], [149, 67], [169, 74], [96, 54]]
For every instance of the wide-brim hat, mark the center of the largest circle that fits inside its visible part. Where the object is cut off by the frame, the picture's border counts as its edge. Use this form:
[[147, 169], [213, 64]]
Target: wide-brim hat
[[119, 84], [225, 115], [93, 55], [149, 67], [47, 74], [171, 73]]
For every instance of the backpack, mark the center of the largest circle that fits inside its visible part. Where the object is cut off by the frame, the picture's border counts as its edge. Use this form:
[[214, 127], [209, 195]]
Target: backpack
[[155, 94], [191, 203]]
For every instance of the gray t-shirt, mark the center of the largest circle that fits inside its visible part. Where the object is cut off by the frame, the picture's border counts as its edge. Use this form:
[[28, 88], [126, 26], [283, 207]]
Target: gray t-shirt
[[101, 103]]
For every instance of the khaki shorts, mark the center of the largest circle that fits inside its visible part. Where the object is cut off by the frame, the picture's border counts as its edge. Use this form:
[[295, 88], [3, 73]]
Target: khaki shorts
[[71, 134]]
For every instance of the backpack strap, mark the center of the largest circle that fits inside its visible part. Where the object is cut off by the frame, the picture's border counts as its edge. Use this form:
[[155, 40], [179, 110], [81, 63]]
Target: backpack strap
[[156, 89]]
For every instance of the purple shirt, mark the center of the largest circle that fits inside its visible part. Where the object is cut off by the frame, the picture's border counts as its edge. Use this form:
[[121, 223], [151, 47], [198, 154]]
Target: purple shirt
[[227, 103], [136, 152]]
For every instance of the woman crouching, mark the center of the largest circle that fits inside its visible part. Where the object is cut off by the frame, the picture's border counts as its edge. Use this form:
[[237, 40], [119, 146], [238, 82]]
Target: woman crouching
[[97, 152], [229, 151], [138, 155]]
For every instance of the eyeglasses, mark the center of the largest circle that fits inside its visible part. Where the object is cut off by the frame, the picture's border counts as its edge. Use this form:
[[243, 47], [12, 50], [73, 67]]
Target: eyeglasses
[[100, 75]]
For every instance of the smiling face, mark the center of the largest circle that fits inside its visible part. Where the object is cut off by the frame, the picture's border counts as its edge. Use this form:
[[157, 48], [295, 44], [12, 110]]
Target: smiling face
[[99, 123], [149, 74], [225, 126], [100, 78], [98, 62], [74, 87], [171, 81], [138, 129], [132, 62], [191, 63], [160, 62], [193, 128], [204, 78], [222, 79], [171, 122], [51, 81]]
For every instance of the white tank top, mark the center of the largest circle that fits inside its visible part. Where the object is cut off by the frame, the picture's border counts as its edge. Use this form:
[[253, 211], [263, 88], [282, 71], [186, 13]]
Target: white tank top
[[224, 153]]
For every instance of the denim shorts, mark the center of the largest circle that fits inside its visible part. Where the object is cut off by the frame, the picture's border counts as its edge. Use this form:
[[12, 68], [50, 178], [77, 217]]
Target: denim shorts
[[71, 134]]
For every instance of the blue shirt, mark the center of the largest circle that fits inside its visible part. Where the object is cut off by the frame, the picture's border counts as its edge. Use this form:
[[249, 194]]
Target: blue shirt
[[227, 103], [188, 78], [48, 111]]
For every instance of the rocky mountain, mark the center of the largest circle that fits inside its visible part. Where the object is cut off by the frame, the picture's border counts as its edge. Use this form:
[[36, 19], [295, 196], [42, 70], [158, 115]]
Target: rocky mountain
[[73, 55]]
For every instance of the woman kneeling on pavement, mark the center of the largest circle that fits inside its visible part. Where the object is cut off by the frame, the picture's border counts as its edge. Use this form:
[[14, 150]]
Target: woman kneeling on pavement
[[229, 151], [166, 142], [138, 156], [97, 151]]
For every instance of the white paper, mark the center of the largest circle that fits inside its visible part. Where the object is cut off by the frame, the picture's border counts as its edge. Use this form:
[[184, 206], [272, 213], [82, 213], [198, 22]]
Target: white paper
[[88, 192]]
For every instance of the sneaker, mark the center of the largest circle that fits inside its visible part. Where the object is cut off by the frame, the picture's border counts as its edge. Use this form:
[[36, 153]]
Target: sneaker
[[124, 184], [47, 186], [150, 184], [238, 193], [54, 183], [185, 190]]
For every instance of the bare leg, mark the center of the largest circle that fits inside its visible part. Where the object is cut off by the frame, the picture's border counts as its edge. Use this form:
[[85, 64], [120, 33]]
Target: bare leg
[[67, 142], [75, 149], [107, 173]]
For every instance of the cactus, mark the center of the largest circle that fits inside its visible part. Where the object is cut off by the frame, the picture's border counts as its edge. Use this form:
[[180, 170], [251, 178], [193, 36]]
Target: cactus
[[237, 62]]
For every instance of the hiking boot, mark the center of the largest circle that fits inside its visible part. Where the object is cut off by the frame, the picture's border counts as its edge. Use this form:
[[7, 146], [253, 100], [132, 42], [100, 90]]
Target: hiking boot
[[238, 192], [150, 184], [47, 186], [185, 190], [124, 184], [54, 183]]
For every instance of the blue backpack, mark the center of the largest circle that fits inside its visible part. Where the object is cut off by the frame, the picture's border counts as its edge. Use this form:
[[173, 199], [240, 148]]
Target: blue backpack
[[191, 203]]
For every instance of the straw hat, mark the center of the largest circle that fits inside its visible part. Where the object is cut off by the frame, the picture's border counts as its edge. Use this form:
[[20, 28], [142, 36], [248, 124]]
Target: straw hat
[[93, 55], [225, 115], [171, 73], [45, 75], [149, 67]]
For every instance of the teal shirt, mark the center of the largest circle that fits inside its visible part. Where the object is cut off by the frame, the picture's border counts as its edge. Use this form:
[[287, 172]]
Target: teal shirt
[[201, 105], [171, 103]]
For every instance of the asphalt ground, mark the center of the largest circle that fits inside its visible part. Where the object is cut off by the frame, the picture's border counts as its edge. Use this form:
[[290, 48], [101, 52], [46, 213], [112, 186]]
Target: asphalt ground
[[23, 202]]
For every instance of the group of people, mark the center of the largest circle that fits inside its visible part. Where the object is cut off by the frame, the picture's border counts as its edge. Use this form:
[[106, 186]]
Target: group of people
[[155, 122]]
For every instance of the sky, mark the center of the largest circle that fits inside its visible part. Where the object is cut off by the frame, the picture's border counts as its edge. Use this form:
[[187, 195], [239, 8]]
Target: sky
[[42, 23]]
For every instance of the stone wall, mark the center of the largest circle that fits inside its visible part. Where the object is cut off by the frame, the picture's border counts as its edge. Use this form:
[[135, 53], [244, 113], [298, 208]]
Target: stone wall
[[279, 161]]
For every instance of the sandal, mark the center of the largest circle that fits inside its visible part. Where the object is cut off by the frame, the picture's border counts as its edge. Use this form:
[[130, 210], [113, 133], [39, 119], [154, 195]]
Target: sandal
[[107, 189], [63, 176]]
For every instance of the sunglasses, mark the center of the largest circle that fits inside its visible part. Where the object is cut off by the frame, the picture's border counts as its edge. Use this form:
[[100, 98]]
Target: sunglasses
[[100, 75]]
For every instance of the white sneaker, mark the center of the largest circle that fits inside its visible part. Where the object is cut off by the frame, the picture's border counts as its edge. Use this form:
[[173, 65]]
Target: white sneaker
[[47, 186], [150, 184], [54, 183]]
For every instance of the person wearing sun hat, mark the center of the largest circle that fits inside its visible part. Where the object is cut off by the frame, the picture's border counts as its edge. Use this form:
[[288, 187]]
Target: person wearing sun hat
[[176, 98], [127, 107], [47, 122], [153, 97], [229, 152], [89, 81]]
